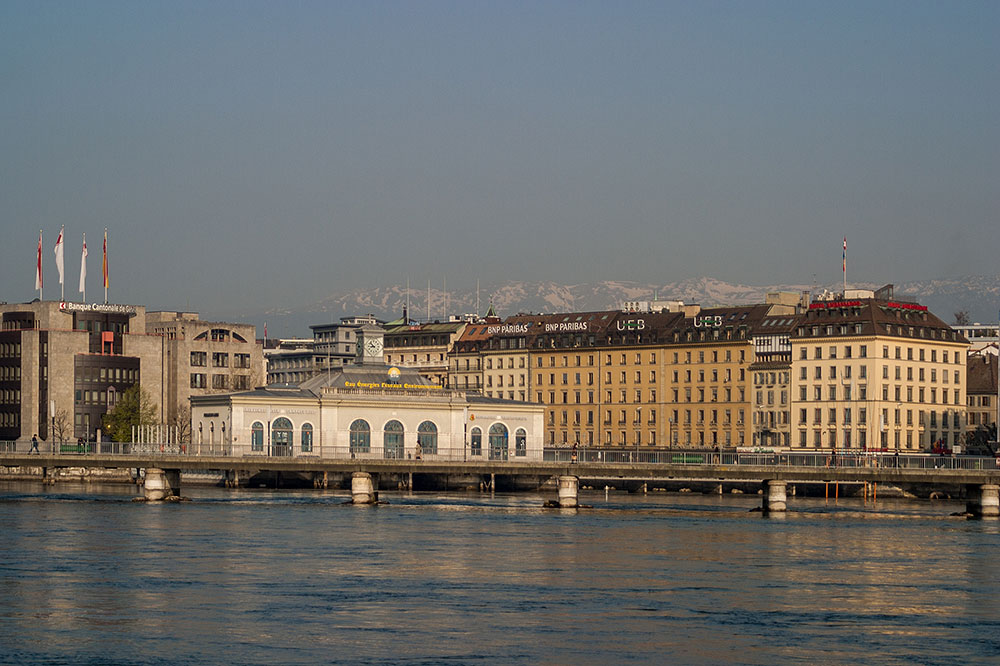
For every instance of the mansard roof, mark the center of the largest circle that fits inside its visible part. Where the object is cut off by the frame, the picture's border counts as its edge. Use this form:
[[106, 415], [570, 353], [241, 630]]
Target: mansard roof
[[874, 317]]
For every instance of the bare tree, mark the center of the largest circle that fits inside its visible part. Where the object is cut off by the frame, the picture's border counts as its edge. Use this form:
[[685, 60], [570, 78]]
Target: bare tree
[[181, 422], [962, 318], [62, 428]]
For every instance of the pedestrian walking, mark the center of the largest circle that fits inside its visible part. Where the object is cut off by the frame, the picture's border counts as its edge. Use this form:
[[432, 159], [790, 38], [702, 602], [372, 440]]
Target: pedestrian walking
[[34, 445]]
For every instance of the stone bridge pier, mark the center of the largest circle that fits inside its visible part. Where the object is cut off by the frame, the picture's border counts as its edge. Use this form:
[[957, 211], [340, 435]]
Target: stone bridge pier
[[569, 490], [162, 483], [363, 489], [983, 501], [774, 497]]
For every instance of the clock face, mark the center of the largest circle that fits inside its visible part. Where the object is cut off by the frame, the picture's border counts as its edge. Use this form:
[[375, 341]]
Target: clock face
[[373, 347]]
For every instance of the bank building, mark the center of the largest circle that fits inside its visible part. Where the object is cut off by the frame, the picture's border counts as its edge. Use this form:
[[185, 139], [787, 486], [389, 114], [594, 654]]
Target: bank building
[[367, 410]]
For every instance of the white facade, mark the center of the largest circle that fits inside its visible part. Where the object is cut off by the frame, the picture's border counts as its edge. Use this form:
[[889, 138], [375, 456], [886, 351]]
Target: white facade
[[339, 422]]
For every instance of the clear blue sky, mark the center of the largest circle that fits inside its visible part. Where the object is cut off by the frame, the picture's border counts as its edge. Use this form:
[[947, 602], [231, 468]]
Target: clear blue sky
[[247, 155]]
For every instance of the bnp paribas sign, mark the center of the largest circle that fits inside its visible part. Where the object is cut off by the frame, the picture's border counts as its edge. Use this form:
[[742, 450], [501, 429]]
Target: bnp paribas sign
[[98, 308]]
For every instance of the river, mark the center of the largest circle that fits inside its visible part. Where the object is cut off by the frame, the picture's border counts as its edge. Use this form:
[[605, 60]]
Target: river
[[299, 577]]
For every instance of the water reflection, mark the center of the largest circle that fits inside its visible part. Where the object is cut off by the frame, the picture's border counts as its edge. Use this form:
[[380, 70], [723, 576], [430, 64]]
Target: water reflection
[[278, 577]]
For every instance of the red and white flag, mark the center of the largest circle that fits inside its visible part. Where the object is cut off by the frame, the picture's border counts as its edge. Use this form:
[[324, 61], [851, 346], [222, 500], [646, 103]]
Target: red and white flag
[[845, 255], [83, 269], [38, 268], [60, 266]]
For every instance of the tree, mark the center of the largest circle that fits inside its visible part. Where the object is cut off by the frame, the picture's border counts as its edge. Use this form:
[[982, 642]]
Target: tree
[[61, 427], [962, 318], [182, 424], [135, 408]]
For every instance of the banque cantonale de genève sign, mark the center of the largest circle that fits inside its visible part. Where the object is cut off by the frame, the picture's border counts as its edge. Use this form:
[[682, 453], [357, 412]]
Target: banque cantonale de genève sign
[[103, 308]]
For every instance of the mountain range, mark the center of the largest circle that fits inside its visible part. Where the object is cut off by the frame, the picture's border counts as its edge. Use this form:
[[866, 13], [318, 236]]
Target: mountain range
[[977, 296]]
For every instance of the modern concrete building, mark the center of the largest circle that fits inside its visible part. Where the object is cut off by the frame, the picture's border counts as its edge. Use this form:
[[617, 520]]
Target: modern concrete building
[[63, 366]]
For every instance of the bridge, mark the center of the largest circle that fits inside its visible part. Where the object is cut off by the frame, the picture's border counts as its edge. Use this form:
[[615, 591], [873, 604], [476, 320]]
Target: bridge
[[980, 477]]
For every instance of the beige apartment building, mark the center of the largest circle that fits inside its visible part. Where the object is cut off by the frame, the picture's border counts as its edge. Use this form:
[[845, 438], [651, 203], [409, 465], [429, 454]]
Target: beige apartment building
[[874, 373]]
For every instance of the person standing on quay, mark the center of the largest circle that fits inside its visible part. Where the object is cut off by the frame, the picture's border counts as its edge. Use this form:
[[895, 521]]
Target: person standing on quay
[[34, 445]]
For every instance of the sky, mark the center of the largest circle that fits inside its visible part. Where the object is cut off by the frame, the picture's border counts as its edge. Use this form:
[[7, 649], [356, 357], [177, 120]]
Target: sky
[[252, 155]]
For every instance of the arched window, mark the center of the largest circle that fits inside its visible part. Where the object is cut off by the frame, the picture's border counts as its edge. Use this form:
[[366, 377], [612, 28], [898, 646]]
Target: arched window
[[498, 442], [477, 442], [361, 437], [392, 440], [520, 443], [281, 437], [256, 436], [427, 437], [307, 438]]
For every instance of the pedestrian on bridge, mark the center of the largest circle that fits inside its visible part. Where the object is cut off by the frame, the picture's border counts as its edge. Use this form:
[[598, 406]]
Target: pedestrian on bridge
[[34, 445]]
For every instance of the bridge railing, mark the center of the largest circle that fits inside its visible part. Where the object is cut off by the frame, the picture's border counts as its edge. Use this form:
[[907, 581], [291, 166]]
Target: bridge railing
[[608, 455], [782, 459]]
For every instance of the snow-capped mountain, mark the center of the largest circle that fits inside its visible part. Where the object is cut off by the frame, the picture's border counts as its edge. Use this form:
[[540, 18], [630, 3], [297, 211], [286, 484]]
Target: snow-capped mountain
[[978, 296]]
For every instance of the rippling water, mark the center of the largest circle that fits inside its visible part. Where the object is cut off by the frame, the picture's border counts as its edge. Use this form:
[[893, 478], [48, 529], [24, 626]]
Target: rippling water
[[277, 577]]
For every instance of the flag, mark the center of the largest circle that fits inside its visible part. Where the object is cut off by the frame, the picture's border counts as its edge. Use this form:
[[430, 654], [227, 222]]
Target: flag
[[105, 258], [59, 255], [265, 332], [845, 255], [83, 267], [38, 269]]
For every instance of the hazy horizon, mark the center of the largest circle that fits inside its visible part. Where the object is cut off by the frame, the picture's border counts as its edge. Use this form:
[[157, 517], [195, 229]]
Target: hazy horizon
[[246, 156]]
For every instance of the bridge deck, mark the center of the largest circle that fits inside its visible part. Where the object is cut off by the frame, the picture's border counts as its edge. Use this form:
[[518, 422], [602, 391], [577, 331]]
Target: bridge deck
[[583, 470]]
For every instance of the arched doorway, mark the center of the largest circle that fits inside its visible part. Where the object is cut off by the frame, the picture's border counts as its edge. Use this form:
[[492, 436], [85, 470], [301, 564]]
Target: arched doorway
[[361, 437], [498, 442], [281, 437], [392, 440], [476, 444], [427, 438]]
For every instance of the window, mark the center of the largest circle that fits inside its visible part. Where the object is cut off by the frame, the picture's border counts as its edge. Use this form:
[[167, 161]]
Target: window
[[198, 380], [498, 442], [257, 436], [427, 437], [361, 436], [476, 442], [392, 440], [520, 443], [220, 381], [307, 438], [199, 359], [220, 360], [241, 360], [281, 437]]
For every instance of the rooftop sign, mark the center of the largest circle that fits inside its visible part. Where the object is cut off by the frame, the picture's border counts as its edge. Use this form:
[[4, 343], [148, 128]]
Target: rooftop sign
[[101, 308]]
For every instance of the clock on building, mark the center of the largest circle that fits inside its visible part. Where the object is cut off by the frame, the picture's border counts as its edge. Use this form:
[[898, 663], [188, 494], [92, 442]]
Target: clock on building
[[373, 348]]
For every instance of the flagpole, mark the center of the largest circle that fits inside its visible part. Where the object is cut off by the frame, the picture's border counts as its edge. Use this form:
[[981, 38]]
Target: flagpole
[[38, 269], [845, 266], [105, 265]]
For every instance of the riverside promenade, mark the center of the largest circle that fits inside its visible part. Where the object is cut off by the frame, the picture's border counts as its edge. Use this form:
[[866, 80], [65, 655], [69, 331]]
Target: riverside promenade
[[978, 476]]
